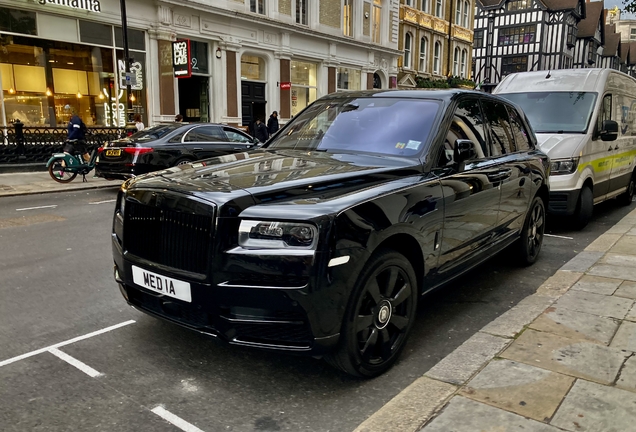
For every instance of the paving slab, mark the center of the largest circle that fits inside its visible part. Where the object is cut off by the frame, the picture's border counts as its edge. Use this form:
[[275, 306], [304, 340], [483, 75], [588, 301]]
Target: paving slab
[[604, 242], [558, 283], [523, 389], [465, 415], [596, 304], [583, 261], [576, 325], [597, 284], [627, 378], [619, 229], [625, 338], [627, 290], [513, 321], [614, 271], [626, 245], [631, 315], [577, 358], [411, 408], [467, 359], [590, 407]]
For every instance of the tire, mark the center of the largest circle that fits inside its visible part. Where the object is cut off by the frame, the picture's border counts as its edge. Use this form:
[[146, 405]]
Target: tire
[[379, 316], [584, 208], [183, 161], [58, 173], [531, 238], [627, 197]]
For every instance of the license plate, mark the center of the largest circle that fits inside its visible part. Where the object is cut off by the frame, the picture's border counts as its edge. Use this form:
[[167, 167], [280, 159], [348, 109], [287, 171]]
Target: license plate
[[162, 284], [116, 152]]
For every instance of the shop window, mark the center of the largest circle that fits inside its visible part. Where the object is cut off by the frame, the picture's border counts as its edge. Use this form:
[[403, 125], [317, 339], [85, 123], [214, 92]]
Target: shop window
[[136, 39], [514, 64], [16, 21], [98, 34], [517, 34], [348, 79], [199, 60], [252, 68], [304, 89]]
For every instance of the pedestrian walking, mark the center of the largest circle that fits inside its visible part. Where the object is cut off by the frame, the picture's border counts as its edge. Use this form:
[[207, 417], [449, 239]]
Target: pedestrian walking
[[260, 131], [272, 123], [138, 123]]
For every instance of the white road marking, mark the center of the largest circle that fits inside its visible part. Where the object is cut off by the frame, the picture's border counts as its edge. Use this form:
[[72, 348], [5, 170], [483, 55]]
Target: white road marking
[[177, 421], [75, 362], [102, 202], [561, 237], [68, 342], [35, 208]]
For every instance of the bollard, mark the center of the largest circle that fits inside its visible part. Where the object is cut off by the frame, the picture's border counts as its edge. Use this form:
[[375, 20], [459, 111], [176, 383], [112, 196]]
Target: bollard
[[19, 138]]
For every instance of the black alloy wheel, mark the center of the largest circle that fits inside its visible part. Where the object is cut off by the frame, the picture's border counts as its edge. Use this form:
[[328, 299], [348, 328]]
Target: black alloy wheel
[[379, 317], [57, 171], [532, 232]]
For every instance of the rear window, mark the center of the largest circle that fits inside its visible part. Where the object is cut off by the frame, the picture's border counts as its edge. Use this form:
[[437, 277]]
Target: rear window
[[154, 132]]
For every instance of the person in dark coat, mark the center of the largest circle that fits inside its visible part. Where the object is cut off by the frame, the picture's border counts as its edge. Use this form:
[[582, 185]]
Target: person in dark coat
[[76, 130], [260, 131], [272, 123]]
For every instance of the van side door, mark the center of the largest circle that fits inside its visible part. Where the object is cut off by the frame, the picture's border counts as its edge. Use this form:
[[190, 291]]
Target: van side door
[[624, 146]]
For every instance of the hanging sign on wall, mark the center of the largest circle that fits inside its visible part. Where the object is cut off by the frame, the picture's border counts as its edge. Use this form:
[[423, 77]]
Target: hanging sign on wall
[[182, 59]]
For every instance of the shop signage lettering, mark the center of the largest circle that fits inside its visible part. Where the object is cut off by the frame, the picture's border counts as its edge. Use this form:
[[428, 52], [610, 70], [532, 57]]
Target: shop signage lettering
[[285, 85], [181, 59], [88, 5]]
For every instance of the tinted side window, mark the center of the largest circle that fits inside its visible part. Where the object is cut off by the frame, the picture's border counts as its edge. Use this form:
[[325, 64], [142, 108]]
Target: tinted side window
[[235, 136], [206, 133], [467, 124], [522, 142], [500, 130]]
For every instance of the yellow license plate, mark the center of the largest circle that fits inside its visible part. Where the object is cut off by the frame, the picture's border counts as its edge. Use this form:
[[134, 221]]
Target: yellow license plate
[[113, 152]]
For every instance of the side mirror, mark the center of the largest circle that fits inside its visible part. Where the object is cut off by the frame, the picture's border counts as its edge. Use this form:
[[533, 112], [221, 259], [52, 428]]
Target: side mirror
[[464, 150], [609, 131]]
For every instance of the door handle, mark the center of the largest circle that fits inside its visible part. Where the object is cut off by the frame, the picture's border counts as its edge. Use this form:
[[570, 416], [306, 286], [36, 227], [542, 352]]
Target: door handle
[[501, 175], [197, 148]]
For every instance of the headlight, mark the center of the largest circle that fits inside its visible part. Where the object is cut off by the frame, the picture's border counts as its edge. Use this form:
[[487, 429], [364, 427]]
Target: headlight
[[277, 235], [563, 166]]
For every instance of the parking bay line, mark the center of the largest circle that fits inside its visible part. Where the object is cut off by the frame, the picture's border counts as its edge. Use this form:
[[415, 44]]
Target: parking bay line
[[35, 208], [557, 236], [176, 421], [75, 362], [103, 202], [68, 342]]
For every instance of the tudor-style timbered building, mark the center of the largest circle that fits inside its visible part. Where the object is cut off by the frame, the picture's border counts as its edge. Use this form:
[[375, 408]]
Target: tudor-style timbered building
[[590, 38], [611, 49], [523, 35]]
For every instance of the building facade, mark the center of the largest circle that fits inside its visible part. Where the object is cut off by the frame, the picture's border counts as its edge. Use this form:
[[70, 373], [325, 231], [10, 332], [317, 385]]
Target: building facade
[[248, 57], [590, 36], [524, 35], [436, 40]]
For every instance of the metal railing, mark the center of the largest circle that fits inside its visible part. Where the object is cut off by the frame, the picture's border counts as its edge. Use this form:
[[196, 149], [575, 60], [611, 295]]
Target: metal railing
[[37, 144]]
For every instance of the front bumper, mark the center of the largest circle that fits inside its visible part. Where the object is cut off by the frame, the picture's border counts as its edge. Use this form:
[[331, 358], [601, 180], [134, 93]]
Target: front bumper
[[563, 202], [123, 171]]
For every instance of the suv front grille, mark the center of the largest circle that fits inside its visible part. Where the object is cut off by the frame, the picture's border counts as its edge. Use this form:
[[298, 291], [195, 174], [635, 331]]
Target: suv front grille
[[175, 239]]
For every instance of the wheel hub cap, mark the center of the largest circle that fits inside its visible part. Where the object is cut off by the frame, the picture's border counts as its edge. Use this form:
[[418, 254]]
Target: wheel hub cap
[[383, 315]]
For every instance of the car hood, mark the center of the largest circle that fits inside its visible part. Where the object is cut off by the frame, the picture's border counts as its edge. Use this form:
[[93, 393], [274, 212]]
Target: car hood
[[270, 176], [560, 146]]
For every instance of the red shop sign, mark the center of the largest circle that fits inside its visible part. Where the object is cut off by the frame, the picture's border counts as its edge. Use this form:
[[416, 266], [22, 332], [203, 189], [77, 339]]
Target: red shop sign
[[285, 85]]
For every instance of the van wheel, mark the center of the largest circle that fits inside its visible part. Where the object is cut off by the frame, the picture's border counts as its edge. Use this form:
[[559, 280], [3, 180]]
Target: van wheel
[[584, 208], [627, 197], [531, 237], [379, 317]]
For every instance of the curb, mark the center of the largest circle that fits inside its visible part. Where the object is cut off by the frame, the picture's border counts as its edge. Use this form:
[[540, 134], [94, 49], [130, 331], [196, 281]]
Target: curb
[[412, 408], [39, 192], [22, 168]]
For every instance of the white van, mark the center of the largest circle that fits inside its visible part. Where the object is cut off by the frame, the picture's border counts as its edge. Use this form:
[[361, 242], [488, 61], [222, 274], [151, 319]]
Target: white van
[[584, 121]]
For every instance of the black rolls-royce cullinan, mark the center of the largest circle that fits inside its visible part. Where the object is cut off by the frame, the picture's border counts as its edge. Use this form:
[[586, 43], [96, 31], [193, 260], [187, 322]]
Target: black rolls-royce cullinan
[[323, 241]]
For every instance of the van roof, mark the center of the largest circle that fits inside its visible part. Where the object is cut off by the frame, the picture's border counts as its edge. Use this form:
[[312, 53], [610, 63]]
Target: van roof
[[581, 80]]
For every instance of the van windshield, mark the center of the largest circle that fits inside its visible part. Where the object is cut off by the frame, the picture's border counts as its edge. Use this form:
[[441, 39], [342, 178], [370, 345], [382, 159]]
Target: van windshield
[[556, 112], [381, 125]]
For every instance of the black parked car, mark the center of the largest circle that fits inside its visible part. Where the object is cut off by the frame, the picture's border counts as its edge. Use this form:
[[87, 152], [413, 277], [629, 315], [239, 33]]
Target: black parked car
[[163, 146], [323, 241]]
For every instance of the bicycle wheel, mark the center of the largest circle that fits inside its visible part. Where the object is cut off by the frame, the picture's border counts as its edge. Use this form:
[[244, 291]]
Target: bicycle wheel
[[57, 171]]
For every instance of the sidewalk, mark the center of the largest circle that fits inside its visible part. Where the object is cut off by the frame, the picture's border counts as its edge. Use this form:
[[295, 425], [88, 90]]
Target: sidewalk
[[561, 360], [40, 182]]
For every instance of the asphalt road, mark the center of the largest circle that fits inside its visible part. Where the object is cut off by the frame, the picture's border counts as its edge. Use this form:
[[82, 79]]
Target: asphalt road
[[56, 285]]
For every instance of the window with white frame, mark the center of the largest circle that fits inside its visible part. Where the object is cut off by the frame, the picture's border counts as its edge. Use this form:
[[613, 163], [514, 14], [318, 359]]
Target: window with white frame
[[456, 62], [301, 12], [437, 52], [462, 67], [458, 12], [348, 79], [347, 17], [377, 19], [439, 8], [466, 13], [407, 50], [409, 3], [257, 6], [423, 51], [425, 6]]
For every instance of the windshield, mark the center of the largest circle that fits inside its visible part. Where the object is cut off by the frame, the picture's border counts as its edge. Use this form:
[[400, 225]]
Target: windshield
[[154, 132], [387, 126], [556, 112]]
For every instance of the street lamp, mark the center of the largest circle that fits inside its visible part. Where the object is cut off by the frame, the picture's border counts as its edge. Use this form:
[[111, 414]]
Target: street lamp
[[130, 125]]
